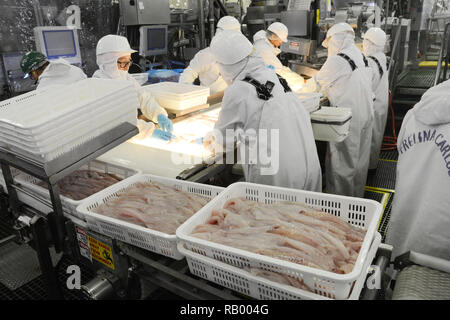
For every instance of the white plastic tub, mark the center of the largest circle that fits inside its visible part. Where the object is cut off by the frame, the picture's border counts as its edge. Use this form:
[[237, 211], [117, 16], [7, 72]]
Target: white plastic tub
[[260, 288], [356, 211], [69, 206], [331, 124], [139, 236], [178, 96]]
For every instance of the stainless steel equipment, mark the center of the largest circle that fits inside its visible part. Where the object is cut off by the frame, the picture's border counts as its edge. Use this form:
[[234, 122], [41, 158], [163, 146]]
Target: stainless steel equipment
[[142, 12], [298, 22]]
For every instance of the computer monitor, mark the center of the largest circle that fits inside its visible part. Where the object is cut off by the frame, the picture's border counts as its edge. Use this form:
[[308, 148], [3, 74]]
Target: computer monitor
[[153, 40], [58, 42]]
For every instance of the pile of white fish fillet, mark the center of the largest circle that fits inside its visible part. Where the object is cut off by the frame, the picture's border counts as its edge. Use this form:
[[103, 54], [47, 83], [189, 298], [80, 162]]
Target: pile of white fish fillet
[[153, 205], [289, 231], [81, 184]]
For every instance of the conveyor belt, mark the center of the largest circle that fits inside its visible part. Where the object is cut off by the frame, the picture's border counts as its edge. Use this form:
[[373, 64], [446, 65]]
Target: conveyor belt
[[382, 228], [422, 283], [381, 187], [384, 178], [422, 78]]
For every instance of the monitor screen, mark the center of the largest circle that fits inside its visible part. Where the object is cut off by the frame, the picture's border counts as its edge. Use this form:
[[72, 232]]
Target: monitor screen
[[59, 43], [156, 38]]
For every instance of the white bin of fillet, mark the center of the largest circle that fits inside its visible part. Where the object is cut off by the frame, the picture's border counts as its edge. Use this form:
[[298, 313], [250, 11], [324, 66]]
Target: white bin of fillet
[[69, 205], [359, 212], [151, 240], [257, 287]]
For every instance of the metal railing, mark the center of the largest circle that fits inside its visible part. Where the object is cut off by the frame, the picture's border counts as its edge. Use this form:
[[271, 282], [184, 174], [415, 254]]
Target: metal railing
[[444, 48], [393, 63]]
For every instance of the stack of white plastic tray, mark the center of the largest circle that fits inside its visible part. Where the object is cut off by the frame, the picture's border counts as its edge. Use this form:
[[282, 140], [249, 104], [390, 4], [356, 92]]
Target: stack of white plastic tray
[[331, 124], [69, 206], [50, 123], [356, 211], [139, 236], [178, 96]]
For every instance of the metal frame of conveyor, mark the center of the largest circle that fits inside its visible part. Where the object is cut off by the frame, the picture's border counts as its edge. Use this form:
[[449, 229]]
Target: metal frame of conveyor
[[133, 268], [50, 230]]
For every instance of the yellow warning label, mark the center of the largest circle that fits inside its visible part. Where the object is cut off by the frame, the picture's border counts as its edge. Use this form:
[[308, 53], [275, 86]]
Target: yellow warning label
[[101, 252]]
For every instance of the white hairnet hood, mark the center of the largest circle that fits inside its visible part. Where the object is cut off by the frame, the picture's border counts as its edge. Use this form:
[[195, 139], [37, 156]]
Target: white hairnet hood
[[339, 42], [113, 43], [280, 30], [230, 47], [260, 35], [434, 107], [229, 23], [107, 63]]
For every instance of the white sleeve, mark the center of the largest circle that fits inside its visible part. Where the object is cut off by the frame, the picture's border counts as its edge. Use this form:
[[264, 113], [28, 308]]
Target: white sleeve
[[145, 129], [149, 106], [188, 76], [199, 64]]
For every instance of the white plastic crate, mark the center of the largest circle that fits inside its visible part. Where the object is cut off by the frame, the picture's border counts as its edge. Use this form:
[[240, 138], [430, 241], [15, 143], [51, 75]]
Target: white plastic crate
[[139, 236], [260, 288], [359, 212], [69, 206], [331, 124], [311, 100], [178, 96]]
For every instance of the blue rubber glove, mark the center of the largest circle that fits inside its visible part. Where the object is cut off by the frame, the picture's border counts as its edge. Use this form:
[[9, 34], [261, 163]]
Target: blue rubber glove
[[165, 123], [163, 135], [199, 141]]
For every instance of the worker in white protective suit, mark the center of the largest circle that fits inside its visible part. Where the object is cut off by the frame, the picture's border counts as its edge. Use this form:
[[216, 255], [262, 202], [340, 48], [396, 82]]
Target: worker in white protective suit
[[374, 41], [50, 73], [204, 66], [267, 43], [114, 60], [346, 80], [420, 216], [263, 115]]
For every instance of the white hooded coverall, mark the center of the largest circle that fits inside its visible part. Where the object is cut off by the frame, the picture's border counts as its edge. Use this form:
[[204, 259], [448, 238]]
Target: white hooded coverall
[[59, 73], [420, 217], [268, 52], [380, 87], [295, 156], [347, 162], [107, 63], [204, 67]]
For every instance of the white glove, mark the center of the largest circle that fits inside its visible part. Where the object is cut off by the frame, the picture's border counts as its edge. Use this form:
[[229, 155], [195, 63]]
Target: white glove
[[145, 129], [188, 76], [311, 85], [149, 106]]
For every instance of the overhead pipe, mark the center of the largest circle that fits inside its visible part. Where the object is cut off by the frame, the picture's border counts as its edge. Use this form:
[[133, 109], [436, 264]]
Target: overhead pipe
[[202, 24]]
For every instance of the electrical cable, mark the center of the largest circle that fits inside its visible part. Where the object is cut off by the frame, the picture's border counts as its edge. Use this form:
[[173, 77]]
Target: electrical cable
[[390, 143]]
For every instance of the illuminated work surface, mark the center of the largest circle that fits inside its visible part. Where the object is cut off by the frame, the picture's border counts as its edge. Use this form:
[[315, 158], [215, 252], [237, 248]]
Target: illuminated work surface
[[164, 158], [168, 159]]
